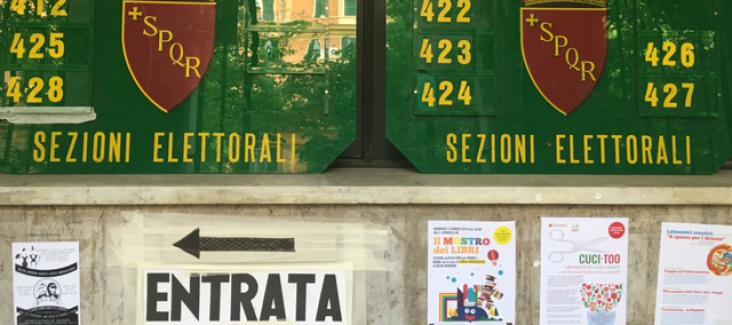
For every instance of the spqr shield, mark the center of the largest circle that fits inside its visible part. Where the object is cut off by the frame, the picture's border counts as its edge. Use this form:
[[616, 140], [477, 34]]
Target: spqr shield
[[565, 50], [168, 46]]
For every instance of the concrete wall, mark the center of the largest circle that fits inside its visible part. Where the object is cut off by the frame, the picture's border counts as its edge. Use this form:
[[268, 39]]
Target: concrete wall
[[396, 295]]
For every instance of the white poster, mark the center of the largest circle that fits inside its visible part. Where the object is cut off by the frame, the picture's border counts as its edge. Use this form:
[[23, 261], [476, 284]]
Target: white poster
[[584, 271], [695, 275], [46, 283], [224, 296], [472, 273]]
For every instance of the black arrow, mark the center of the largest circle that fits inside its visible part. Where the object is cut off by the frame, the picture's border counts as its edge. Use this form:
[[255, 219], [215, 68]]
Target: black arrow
[[194, 244]]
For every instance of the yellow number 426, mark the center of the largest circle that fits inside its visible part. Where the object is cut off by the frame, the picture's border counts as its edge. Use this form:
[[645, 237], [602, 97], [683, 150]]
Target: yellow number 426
[[687, 55]]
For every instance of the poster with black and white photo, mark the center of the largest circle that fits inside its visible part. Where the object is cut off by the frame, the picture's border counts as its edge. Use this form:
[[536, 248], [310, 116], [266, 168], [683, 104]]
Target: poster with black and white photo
[[46, 283]]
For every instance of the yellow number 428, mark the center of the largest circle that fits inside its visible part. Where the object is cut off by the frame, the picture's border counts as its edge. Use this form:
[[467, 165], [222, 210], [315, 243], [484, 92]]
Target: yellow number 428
[[55, 92]]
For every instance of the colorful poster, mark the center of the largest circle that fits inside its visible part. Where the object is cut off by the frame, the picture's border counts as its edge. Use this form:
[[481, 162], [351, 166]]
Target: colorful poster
[[694, 275], [472, 273], [46, 283], [584, 271]]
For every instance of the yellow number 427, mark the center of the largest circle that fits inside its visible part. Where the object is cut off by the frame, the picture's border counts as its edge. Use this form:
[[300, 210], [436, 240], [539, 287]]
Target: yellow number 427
[[670, 91]]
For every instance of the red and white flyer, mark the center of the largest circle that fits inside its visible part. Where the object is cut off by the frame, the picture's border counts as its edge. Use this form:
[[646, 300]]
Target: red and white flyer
[[584, 271]]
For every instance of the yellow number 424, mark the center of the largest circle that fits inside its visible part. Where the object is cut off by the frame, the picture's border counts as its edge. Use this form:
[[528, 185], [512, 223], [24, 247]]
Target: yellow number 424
[[446, 89]]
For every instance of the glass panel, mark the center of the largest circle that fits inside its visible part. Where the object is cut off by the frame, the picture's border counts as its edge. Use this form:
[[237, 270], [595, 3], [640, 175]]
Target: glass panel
[[321, 8], [268, 10], [349, 8], [280, 52], [658, 77], [273, 77], [290, 12]]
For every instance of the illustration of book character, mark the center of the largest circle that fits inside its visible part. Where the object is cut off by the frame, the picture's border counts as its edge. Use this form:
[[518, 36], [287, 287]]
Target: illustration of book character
[[473, 303]]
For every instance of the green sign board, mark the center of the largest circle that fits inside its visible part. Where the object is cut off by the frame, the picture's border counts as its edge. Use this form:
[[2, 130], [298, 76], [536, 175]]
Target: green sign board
[[560, 86], [226, 86]]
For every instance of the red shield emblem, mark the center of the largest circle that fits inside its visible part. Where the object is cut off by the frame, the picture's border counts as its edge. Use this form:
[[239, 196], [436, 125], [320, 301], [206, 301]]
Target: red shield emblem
[[168, 47], [565, 50]]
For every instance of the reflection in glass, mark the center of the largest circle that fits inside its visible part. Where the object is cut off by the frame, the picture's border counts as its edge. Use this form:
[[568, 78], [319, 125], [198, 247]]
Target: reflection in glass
[[314, 51], [349, 8], [321, 8], [298, 36], [268, 10]]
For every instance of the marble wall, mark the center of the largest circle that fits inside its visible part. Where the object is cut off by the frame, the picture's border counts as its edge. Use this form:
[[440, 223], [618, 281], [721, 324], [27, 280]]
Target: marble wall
[[391, 287]]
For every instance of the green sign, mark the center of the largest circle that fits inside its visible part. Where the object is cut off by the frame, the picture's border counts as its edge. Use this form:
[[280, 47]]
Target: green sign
[[227, 86], [559, 86]]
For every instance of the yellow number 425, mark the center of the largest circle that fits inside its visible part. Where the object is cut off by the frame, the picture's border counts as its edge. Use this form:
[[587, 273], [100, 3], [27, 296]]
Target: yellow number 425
[[37, 41]]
